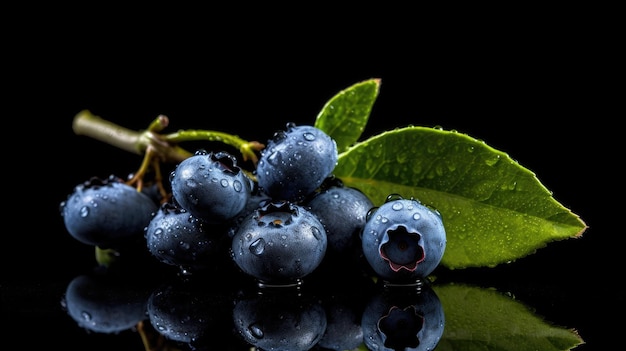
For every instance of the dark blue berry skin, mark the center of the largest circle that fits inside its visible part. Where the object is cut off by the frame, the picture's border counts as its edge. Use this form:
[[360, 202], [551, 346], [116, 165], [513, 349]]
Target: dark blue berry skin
[[258, 198], [210, 186], [106, 213], [342, 210], [296, 162], [403, 240], [279, 243], [401, 319], [178, 238]]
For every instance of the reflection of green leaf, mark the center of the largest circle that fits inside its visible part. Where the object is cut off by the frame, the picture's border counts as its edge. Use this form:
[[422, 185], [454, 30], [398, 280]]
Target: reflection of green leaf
[[494, 210], [484, 319], [345, 115]]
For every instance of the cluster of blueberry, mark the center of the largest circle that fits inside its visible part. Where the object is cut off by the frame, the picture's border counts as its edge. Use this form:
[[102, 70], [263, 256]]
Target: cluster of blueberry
[[277, 224]]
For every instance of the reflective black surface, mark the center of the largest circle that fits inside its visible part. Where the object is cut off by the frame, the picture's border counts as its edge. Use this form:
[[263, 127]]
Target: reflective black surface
[[87, 307], [547, 109]]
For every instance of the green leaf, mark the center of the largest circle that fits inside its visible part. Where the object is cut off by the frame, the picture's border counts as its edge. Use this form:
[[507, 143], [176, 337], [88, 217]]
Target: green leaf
[[485, 319], [344, 116], [494, 210]]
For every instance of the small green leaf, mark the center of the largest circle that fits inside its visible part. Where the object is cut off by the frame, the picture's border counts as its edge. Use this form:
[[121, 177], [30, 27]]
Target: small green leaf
[[485, 319], [345, 115], [494, 210]]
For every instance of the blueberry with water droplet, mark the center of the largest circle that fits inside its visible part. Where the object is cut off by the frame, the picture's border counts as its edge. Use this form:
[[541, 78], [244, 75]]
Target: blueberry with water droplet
[[279, 243], [178, 238], [296, 162], [210, 186], [106, 212], [403, 240]]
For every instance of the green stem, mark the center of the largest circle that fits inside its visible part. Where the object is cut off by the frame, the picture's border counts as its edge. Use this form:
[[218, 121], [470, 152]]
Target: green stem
[[88, 124], [161, 146]]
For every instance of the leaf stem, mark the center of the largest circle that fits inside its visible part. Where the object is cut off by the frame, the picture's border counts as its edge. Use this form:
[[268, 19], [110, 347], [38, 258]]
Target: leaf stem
[[247, 149]]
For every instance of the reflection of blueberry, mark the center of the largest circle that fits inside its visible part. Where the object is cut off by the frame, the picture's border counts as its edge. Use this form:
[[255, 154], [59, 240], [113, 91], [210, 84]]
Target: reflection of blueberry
[[279, 319], [344, 309], [104, 305], [401, 327], [403, 318], [279, 243], [403, 240], [190, 312]]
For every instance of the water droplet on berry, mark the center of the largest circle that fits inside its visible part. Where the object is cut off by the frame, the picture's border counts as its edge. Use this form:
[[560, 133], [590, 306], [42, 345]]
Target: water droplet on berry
[[275, 158], [256, 331], [257, 247], [309, 136], [397, 206], [370, 213], [224, 183], [84, 211], [86, 316], [393, 197], [316, 233]]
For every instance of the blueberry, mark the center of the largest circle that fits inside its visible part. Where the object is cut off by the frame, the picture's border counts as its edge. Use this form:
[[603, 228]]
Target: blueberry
[[178, 238], [296, 162], [257, 199], [342, 210], [106, 212], [279, 243], [403, 240], [210, 186]]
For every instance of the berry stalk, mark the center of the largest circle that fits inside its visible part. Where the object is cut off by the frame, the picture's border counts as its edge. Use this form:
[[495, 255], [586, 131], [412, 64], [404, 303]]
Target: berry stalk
[[163, 147]]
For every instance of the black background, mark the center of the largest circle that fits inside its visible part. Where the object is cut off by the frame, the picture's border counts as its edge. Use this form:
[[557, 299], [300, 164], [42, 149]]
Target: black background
[[539, 90]]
